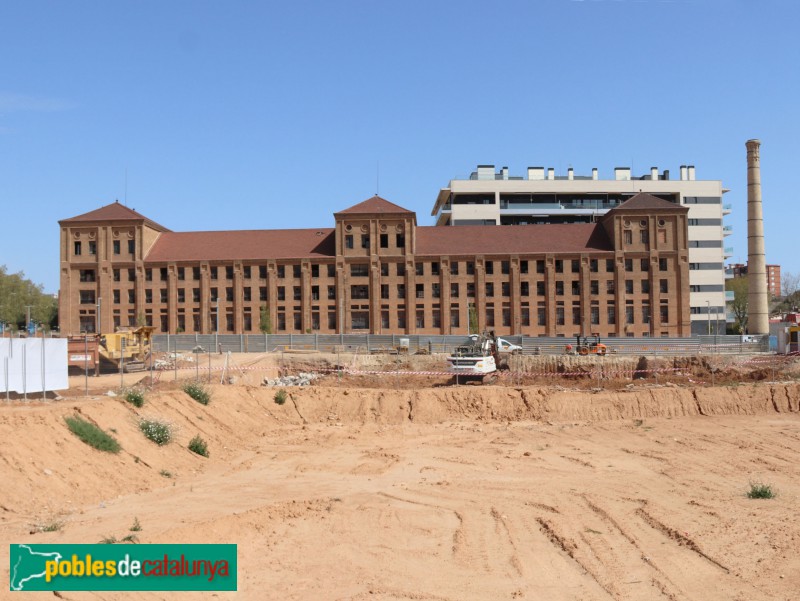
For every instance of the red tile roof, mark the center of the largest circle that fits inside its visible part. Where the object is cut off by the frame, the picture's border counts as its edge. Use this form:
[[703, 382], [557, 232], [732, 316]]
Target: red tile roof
[[511, 239], [647, 202], [114, 212], [376, 204], [243, 245]]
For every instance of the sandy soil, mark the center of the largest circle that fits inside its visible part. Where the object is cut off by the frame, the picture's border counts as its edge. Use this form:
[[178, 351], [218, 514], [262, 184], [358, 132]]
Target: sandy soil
[[496, 492]]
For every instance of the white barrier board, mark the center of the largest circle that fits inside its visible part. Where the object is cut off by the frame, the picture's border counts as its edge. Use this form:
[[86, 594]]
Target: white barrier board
[[30, 365]]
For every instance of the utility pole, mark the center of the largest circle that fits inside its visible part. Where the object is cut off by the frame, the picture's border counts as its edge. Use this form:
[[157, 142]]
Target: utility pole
[[28, 318], [99, 299]]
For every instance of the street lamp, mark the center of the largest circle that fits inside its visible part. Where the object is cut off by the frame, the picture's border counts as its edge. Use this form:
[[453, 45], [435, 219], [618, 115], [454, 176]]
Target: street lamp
[[98, 315]]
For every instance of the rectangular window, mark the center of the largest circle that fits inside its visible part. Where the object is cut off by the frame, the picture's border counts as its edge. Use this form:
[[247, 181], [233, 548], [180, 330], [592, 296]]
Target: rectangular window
[[490, 315], [315, 293], [576, 288], [148, 275], [664, 314], [229, 272], [541, 316], [116, 275], [281, 293], [576, 266], [77, 249], [559, 266], [539, 266], [627, 237], [524, 289], [401, 269], [523, 267], [331, 320], [628, 286], [247, 273], [505, 289], [594, 313], [384, 314], [645, 265], [92, 247], [297, 293], [593, 265], [131, 296], [196, 295], [384, 269], [117, 247], [506, 316], [455, 318], [401, 291], [470, 268], [385, 292], [454, 268], [610, 286], [384, 240], [247, 294], [297, 271], [419, 269], [400, 241], [436, 318], [664, 286], [315, 272], [297, 318], [645, 313], [181, 274], [229, 293], [489, 268], [525, 316], [594, 287], [645, 286], [612, 314], [470, 289], [662, 264], [132, 247], [539, 288], [116, 297], [315, 320], [331, 271], [420, 318], [629, 314], [610, 265], [348, 241], [163, 295], [505, 267], [576, 315], [454, 290], [560, 316], [87, 275], [559, 288], [628, 264], [181, 295], [148, 296], [489, 289], [365, 242], [196, 274], [435, 268], [214, 295], [436, 290], [420, 290], [644, 236], [163, 274], [262, 293], [359, 270]]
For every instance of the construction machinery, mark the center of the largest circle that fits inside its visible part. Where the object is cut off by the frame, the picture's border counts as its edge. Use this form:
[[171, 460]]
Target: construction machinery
[[478, 360], [126, 349], [586, 345]]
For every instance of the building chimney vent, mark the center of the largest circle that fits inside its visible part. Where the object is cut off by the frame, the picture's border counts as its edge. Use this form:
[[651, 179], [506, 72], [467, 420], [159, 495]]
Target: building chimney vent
[[690, 169], [485, 171], [683, 173], [654, 173], [536, 173], [551, 173], [594, 173], [504, 172], [622, 173], [570, 173]]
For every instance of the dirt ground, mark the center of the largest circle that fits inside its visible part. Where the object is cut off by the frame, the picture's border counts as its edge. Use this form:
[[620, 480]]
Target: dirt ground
[[428, 492]]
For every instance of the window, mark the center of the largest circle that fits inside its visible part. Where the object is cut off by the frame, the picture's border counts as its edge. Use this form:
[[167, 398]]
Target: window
[[489, 289], [163, 295], [524, 289], [645, 313], [489, 268], [505, 267], [315, 293], [420, 318], [419, 269], [559, 288], [116, 297], [246, 269], [560, 316], [454, 290], [559, 266], [628, 264], [523, 267], [331, 292], [594, 314], [611, 314], [470, 290], [331, 271], [454, 268], [435, 268], [470, 268], [196, 274], [490, 315], [385, 292], [262, 293], [505, 316], [594, 287], [401, 269], [228, 272], [401, 291], [148, 275], [196, 295], [645, 286], [214, 272], [297, 293], [384, 240], [281, 293], [593, 265], [576, 266], [629, 314], [400, 241], [116, 275], [540, 266], [117, 247], [663, 286], [87, 275], [662, 264], [610, 287], [214, 295], [247, 294], [539, 288], [148, 296], [576, 315], [384, 269], [181, 274], [77, 249], [541, 316], [163, 274], [348, 241], [436, 318], [420, 290], [644, 236], [436, 290], [525, 316], [297, 271], [364, 240], [315, 272], [628, 286], [645, 264], [384, 314], [359, 270], [664, 314], [576, 288], [92, 247], [505, 289], [455, 318], [628, 237], [610, 265], [131, 296], [132, 247]]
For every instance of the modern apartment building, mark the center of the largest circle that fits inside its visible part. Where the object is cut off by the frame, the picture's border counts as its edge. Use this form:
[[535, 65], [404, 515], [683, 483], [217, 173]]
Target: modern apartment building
[[494, 197], [773, 277], [376, 271]]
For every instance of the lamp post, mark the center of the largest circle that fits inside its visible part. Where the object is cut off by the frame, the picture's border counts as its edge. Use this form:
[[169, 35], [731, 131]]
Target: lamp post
[[99, 299]]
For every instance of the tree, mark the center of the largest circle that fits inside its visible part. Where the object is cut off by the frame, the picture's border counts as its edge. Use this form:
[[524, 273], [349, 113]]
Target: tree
[[265, 321], [473, 319], [17, 293], [790, 283], [739, 306]]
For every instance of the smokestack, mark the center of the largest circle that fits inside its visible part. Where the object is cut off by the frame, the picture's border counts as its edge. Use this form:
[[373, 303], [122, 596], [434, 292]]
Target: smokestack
[[757, 300]]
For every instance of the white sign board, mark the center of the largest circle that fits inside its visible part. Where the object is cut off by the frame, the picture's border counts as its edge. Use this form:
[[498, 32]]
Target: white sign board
[[33, 364]]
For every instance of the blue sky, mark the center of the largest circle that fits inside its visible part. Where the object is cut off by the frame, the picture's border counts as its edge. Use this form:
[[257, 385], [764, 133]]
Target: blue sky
[[238, 115]]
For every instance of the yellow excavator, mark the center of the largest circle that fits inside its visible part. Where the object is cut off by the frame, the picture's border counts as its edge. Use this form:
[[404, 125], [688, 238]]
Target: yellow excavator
[[126, 349]]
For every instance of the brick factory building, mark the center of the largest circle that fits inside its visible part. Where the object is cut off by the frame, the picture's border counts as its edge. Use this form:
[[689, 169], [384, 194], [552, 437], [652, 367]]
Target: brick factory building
[[378, 272]]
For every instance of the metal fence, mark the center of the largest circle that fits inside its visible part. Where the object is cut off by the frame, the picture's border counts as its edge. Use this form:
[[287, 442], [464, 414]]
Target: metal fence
[[376, 343]]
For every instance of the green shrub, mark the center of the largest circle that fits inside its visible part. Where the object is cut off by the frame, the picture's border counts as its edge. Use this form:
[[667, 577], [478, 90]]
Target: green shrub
[[166, 473], [160, 432], [53, 526], [135, 397], [199, 446], [92, 435], [198, 392], [760, 491], [280, 397], [109, 540], [137, 526]]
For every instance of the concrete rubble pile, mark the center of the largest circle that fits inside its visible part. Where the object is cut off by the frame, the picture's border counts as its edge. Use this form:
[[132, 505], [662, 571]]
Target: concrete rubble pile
[[301, 379]]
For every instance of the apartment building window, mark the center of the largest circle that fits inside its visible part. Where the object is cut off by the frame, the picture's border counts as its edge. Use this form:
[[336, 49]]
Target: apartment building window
[[401, 291], [490, 315], [628, 264], [196, 295], [489, 268], [419, 269], [117, 247], [470, 268], [644, 236], [359, 270], [247, 294], [297, 271], [559, 266], [436, 290], [594, 287], [315, 293], [164, 276], [489, 289], [401, 269], [505, 289], [610, 265], [281, 293], [214, 295], [454, 290], [262, 293], [400, 241], [454, 268], [645, 313], [364, 240], [576, 314], [524, 289], [627, 237], [116, 273], [132, 247], [315, 271], [610, 287], [505, 315], [594, 314], [420, 291], [116, 297], [576, 266], [664, 314], [163, 295], [196, 274], [559, 288], [593, 265], [611, 313], [470, 289], [628, 286], [92, 247], [214, 272], [246, 273], [436, 318], [331, 271], [629, 314], [384, 313], [525, 316], [229, 272], [181, 274], [384, 290], [297, 293], [315, 320], [420, 318], [384, 269], [87, 275], [645, 265], [229, 294], [297, 318], [505, 267], [455, 317], [435, 268], [148, 296], [576, 287], [348, 241], [662, 264], [540, 288], [663, 286], [560, 315], [523, 267], [131, 297], [540, 266], [331, 292], [384, 240], [181, 295], [331, 320], [645, 286], [247, 322], [541, 315]]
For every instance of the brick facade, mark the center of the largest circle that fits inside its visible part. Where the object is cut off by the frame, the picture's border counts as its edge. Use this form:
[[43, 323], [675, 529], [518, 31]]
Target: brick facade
[[378, 272]]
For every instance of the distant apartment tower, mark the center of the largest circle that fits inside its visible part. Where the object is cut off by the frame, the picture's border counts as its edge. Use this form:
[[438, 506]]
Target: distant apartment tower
[[491, 197], [739, 270]]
